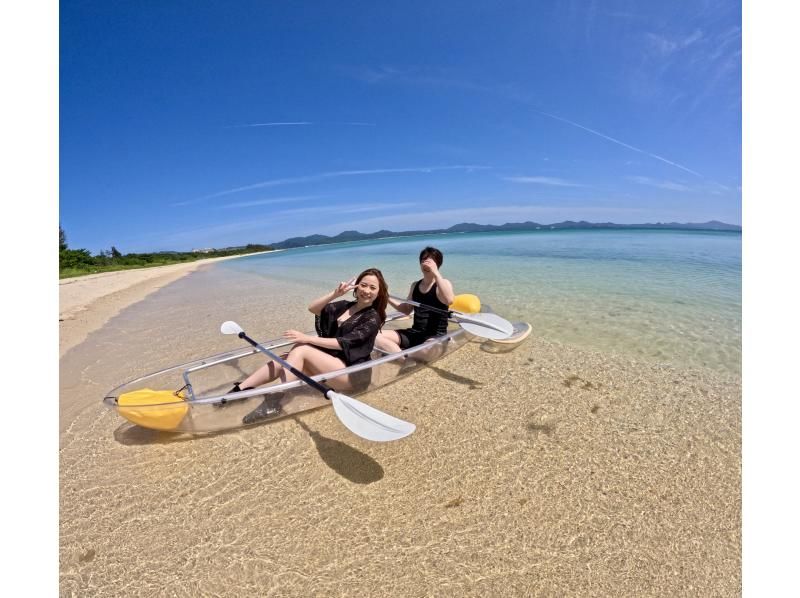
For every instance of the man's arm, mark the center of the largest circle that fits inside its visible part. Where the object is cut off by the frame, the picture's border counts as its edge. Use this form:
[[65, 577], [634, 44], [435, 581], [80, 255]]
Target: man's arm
[[444, 290], [404, 307]]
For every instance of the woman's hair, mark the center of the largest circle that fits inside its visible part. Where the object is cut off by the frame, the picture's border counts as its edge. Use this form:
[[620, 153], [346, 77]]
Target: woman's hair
[[433, 253], [382, 300]]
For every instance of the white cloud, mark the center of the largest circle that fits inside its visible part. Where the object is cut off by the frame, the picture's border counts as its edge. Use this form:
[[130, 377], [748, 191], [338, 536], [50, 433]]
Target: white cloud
[[435, 77], [487, 215], [271, 200], [343, 208], [373, 207], [542, 180], [670, 185], [205, 235], [666, 46]]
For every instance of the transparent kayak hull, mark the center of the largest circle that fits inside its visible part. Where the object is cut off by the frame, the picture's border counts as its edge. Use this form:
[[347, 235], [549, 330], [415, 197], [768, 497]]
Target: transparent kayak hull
[[192, 397]]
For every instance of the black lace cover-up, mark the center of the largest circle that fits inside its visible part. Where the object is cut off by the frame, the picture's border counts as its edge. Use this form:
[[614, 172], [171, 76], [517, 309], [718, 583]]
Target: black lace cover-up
[[356, 335]]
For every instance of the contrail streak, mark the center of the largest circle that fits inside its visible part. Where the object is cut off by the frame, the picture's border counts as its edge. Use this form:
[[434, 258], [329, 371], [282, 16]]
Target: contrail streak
[[271, 125], [328, 175], [623, 144], [299, 124]]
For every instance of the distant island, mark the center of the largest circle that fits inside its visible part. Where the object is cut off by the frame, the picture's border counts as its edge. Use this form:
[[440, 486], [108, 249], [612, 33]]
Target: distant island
[[470, 227]]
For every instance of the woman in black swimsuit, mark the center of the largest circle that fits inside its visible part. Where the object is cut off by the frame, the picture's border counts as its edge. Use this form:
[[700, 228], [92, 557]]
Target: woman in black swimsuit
[[433, 290], [347, 331]]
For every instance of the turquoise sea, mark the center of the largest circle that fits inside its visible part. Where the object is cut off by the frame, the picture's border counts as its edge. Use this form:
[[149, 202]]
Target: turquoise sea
[[659, 295]]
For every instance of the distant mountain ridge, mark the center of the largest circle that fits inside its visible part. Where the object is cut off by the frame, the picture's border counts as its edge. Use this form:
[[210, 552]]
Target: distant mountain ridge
[[471, 227]]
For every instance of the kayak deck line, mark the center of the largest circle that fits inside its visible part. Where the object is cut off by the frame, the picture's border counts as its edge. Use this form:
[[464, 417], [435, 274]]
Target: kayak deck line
[[222, 358], [208, 407]]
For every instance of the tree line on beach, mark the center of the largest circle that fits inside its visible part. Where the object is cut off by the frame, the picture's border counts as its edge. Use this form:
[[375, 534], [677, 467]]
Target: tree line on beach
[[77, 262]]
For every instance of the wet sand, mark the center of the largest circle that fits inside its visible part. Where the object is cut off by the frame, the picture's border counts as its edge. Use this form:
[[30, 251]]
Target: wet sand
[[547, 471]]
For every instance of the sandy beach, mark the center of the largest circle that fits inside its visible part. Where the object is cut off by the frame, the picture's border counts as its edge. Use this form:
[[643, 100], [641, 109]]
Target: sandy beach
[[85, 303], [546, 471]]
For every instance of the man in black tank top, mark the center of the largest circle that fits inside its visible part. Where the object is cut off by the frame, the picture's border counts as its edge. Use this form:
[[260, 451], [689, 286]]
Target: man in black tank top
[[433, 290]]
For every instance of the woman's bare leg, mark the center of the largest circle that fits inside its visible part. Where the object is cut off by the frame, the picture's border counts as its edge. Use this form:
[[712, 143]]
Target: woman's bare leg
[[389, 341], [312, 361], [305, 358], [262, 375]]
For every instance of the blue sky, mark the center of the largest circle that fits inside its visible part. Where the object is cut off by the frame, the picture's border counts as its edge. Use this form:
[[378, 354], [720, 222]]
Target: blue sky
[[187, 125]]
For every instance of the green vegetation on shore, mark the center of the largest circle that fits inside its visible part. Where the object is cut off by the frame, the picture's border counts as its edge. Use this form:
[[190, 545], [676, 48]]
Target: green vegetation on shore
[[78, 262]]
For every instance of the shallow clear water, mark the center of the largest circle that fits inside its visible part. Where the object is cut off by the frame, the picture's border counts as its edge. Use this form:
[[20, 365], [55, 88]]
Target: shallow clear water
[[667, 296]]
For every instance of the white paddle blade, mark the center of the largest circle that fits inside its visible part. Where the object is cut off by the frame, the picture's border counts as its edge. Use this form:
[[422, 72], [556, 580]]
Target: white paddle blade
[[367, 422], [489, 326], [230, 327]]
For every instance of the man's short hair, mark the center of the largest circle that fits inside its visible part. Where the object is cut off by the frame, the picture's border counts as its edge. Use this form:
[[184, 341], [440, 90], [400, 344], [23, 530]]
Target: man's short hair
[[434, 254]]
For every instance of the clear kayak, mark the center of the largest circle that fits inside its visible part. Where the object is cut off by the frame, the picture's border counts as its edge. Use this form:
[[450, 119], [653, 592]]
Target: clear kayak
[[193, 397]]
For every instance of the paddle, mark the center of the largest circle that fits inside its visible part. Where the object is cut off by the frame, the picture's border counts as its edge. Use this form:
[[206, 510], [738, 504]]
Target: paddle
[[489, 326], [358, 417]]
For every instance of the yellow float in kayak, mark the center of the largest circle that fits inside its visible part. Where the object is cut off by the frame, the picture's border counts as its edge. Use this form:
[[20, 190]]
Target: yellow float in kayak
[[466, 304], [154, 409]]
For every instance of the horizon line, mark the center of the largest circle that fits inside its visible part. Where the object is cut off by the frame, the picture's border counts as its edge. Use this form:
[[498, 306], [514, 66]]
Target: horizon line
[[445, 231]]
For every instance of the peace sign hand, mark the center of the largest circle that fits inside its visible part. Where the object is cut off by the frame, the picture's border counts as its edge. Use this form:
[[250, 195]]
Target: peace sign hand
[[344, 286]]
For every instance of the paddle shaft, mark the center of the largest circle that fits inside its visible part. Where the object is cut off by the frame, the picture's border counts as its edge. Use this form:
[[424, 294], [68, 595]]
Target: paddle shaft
[[307, 379], [444, 312], [454, 315]]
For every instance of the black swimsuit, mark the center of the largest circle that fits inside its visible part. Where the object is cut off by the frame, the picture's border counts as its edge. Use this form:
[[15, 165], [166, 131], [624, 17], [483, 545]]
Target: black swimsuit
[[427, 323], [356, 336]]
